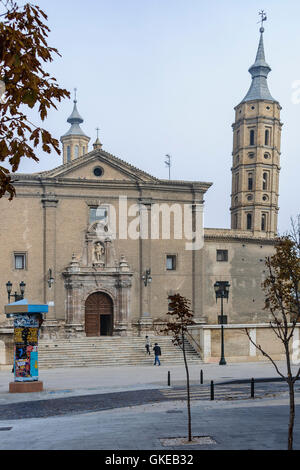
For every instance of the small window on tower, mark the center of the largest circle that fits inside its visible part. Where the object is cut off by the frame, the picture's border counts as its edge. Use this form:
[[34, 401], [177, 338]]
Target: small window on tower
[[263, 222], [250, 181], [237, 182], [252, 135], [267, 137], [249, 221], [68, 153], [76, 151], [265, 181], [235, 221]]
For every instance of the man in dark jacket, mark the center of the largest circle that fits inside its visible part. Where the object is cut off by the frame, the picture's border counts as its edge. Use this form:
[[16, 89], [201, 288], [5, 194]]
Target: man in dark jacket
[[157, 353]]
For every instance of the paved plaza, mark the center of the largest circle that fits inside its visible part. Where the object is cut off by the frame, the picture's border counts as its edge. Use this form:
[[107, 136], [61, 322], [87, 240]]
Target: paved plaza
[[133, 408]]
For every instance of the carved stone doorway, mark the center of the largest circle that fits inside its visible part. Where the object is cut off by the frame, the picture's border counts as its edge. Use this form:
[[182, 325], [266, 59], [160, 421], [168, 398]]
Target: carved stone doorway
[[99, 315]]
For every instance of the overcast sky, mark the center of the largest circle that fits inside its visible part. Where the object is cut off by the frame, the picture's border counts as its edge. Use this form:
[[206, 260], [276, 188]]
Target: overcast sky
[[163, 76]]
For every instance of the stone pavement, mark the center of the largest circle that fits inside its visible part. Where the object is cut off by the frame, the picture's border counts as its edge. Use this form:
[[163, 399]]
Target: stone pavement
[[93, 380], [249, 425], [256, 424]]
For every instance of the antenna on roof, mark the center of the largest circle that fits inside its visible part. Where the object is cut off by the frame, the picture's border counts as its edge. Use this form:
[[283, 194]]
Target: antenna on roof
[[168, 164]]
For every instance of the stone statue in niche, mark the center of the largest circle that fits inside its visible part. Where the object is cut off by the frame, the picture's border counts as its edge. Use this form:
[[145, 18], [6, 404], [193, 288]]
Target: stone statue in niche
[[99, 253]]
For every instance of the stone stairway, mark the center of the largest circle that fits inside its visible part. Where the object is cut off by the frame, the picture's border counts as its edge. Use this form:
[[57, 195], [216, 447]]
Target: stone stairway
[[109, 351]]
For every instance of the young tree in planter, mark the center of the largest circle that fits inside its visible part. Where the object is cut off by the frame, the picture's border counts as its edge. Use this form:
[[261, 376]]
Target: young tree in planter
[[181, 317], [24, 84], [282, 289]]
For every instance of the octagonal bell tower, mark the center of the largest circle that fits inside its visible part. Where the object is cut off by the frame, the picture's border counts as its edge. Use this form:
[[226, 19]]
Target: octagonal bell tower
[[74, 142], [256, 155]]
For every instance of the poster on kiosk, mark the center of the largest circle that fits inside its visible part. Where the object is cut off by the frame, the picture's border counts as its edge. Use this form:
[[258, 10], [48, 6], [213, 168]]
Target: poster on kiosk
[[27, 319]]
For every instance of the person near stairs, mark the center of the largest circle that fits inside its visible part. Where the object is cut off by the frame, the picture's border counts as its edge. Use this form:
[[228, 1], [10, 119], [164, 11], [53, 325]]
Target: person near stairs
[[147, 345], [157, 353]]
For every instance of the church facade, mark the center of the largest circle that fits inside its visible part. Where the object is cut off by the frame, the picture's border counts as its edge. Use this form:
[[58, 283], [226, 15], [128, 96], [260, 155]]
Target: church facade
[[104, 243]]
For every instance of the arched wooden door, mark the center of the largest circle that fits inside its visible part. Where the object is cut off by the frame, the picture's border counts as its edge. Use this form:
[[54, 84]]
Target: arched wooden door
[[99, 315]]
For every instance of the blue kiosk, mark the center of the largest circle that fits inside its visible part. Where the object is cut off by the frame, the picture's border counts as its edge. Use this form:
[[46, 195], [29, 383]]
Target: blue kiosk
[[28, 319]]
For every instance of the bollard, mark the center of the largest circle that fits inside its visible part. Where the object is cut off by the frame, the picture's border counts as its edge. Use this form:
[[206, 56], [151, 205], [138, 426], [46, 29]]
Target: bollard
[[169, 378], [252, 388], [212, 394], [201, 376]]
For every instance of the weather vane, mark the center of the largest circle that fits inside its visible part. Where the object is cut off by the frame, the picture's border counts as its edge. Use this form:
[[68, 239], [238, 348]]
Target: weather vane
[[168, 164], [97, 129], [263, 16]]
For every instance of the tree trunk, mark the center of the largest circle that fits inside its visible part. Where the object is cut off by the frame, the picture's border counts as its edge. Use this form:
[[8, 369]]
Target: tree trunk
[[188, 391], [292, 414]]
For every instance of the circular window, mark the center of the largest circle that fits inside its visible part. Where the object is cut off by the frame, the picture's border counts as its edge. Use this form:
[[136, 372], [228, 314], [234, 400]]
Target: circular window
[[251, 155], [98, 171], [252, 107], [249, 197], [266, 156], [265, 197], [268, 107]]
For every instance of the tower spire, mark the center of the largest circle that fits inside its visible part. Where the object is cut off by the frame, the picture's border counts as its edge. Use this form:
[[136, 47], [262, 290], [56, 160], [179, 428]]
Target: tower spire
[[259, 70], [75, 141]]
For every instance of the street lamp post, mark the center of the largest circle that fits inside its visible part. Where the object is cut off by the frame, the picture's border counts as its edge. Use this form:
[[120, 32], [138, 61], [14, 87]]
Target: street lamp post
[[15, 295], [222, 292]]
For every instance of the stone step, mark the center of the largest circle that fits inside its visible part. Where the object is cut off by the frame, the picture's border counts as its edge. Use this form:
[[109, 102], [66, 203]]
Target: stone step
[[82, 352]]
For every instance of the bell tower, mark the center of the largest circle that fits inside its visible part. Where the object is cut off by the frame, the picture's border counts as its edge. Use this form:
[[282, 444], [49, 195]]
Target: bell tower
[[74, 142], [256, 154]]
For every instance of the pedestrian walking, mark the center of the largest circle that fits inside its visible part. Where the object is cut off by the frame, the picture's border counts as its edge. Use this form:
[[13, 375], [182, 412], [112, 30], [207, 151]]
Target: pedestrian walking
[[157, 353], [147, 345]]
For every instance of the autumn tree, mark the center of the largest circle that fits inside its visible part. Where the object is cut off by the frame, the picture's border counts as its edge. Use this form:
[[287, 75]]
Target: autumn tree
[[181, 317], [24, 84], [282, 291]]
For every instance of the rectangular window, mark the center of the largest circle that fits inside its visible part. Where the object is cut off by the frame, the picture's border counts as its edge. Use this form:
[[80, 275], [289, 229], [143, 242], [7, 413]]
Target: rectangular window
[[171, 262], [20, 260], [222, 255], [250, 181], [97, 214]]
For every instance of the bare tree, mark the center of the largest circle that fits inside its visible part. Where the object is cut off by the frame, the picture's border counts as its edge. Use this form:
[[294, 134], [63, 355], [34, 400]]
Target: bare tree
[[182, 317], [283, 301], [24, 85]]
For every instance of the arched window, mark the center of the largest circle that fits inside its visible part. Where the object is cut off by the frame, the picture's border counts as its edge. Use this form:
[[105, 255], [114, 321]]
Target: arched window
[[76, 151], [252, 134], [267, 137], [249, 221], [83, 150], [250, 181], [265, 181], [263, 222], [68, 153]]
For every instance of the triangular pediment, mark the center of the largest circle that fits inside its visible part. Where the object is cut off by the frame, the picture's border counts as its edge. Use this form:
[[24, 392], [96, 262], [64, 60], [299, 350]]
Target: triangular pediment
[[111, 169]]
